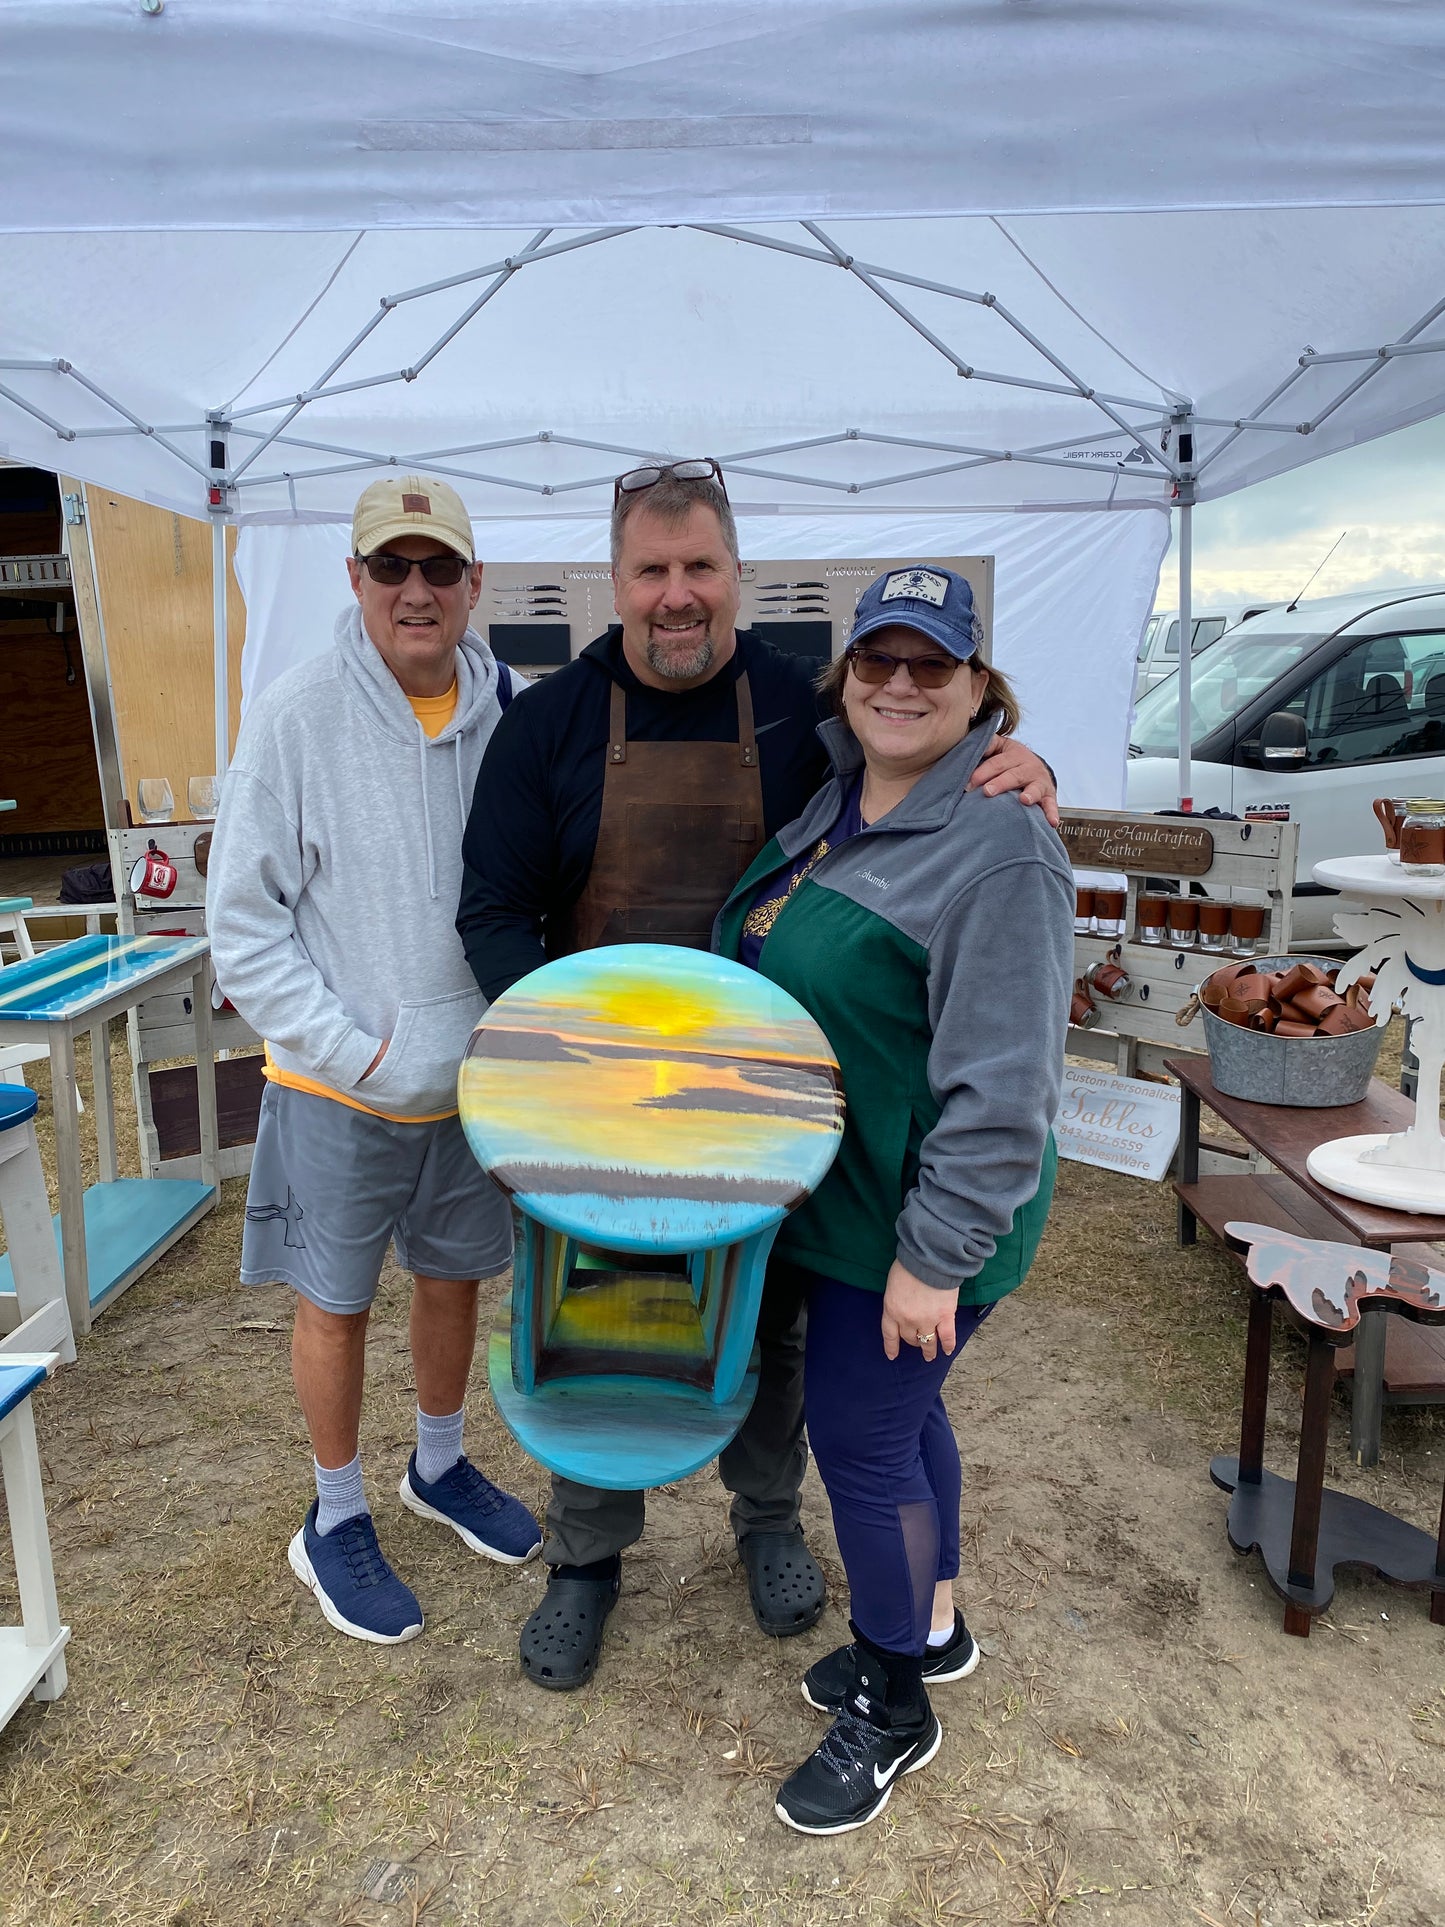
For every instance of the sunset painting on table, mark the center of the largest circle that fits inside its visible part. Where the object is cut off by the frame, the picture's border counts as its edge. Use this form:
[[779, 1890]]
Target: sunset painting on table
[[653, 1096]]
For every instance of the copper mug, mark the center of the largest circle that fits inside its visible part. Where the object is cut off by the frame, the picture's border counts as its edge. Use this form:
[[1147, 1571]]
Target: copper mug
[[1391, 811]]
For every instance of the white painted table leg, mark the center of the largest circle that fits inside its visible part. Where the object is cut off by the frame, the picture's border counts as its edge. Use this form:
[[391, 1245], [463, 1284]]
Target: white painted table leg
[[206, 1077], [104, 1103], [67, 1171], [30, 1240], [30, 1537]]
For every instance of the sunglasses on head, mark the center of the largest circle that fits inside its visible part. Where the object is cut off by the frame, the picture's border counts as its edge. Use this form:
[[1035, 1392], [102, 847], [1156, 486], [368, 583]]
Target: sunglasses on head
[[441, 571], [926, 672], [696, 469]]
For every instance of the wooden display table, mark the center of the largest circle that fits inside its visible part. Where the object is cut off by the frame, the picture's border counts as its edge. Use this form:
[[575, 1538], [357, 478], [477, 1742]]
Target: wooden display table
[[113, 1231], [1391, 1362], [665, 1110]]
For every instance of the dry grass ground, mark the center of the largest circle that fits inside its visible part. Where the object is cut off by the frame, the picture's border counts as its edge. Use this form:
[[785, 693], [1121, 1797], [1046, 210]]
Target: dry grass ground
[[1142, 1745]]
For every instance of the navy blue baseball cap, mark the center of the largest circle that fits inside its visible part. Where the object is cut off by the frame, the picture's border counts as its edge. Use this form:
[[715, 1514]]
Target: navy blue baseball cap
[[935, 602]]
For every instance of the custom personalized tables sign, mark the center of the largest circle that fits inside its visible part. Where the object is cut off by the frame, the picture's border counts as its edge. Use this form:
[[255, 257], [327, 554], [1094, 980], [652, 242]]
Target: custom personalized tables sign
[[657, 1113]]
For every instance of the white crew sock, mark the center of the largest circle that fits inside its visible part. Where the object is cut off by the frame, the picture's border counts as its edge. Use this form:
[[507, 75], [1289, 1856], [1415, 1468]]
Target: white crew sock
[[438, 1444], [339, 1494]]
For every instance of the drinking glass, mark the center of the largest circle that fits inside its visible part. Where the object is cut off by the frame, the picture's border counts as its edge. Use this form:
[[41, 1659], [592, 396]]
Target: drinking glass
[[203, 793], [154, 799]]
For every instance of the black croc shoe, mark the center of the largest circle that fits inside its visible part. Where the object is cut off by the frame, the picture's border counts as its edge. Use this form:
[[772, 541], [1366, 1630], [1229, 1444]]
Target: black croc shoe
[[562, 1641], [828, 1681], [785, 1587]]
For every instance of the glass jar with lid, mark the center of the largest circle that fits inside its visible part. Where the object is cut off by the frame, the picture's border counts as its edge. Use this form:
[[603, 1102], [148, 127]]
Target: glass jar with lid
[[1422, 837]]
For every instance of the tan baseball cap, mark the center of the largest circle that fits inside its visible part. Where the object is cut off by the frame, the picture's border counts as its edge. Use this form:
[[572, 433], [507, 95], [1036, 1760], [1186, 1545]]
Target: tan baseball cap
[[410, 505]]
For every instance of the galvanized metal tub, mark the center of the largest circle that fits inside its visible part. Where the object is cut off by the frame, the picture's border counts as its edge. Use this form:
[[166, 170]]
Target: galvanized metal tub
[[1309, 1071]]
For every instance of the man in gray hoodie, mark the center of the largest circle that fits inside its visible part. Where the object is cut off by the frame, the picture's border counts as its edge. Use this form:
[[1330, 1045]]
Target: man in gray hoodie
[[332, 888]]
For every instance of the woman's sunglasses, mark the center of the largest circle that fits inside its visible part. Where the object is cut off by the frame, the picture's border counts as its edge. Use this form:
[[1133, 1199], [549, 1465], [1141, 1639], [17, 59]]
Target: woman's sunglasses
[[927, 672], [441, 571], [696, 469]]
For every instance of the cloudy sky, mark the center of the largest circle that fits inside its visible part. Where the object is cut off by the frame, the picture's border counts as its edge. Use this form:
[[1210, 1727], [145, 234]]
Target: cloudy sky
[[1265, 541]]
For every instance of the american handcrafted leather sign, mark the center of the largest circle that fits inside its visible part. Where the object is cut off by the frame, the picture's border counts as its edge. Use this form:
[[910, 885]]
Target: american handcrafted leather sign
[[1160, 846]]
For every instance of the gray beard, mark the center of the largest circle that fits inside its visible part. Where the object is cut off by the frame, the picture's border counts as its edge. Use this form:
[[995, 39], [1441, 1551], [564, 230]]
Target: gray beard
[[667, 662]]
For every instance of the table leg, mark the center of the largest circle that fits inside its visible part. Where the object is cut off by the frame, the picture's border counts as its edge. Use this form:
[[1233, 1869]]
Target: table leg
[[67, 1172], [104, 1103], [1367, 1394], [30, 1538], [1437, 1599], [206, 1077], [1188, 1160], [1256, 1388], [1310, 1476]]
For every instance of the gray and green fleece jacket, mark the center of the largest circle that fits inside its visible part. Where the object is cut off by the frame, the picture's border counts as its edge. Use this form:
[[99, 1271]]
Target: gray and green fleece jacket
[[936, 951]]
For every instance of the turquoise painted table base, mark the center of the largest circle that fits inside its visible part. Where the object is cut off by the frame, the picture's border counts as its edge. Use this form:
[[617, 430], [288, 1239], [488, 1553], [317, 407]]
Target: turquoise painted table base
[[128, 1224], [618, 1429]]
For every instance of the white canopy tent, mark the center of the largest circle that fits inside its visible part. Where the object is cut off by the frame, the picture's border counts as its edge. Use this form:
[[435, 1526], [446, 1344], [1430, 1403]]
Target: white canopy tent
[[927, 262]]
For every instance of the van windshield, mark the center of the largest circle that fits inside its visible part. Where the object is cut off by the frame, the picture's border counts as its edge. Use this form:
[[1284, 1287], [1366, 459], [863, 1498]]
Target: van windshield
[[1230, 674]]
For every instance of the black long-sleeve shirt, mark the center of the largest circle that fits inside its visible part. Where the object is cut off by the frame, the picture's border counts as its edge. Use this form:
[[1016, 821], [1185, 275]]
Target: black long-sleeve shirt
[[532, 831]]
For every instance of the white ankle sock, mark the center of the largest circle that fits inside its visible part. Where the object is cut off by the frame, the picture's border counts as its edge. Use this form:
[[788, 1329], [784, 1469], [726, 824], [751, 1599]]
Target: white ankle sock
[[438, 1444], [339, 1494], [941, 1639]]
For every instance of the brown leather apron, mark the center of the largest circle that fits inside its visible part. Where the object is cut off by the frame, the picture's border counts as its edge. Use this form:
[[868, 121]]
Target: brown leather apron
[[680, 823]]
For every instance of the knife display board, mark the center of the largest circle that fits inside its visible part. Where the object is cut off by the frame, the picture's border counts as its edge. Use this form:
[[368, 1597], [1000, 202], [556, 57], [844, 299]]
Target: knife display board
[[538, 615]]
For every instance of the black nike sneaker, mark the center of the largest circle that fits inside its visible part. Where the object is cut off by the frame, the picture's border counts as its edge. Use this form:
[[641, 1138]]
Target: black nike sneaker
[[848, 1781], [828, 1682]]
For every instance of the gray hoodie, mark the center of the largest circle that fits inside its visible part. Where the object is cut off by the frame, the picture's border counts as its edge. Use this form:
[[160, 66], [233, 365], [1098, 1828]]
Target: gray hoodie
[[335, 871]]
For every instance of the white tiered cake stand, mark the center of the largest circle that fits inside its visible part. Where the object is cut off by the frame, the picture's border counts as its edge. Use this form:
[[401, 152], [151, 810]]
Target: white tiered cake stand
[[1402, 934]]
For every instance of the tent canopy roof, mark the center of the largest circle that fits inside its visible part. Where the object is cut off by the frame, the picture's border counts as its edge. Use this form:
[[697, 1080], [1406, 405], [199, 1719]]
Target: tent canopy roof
[[729, 213]]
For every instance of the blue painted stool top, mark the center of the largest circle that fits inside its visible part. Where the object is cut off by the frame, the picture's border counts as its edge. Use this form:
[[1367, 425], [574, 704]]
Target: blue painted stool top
[[72, 978], [651, 1098], [17, 1382], [17, 1105], [15, 903]]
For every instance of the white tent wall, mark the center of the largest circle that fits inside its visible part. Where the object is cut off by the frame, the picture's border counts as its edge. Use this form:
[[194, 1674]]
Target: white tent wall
[[1072, 593]]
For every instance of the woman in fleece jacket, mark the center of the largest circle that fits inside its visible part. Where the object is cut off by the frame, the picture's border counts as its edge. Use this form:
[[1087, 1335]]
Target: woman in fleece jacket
[[929, 930]]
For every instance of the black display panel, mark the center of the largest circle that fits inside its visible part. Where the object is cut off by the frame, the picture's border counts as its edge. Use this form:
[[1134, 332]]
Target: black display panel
[[543, 644], [811, 639]]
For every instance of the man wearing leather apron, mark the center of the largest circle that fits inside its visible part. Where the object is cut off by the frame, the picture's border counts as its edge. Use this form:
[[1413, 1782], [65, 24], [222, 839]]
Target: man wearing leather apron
[[619, 801]]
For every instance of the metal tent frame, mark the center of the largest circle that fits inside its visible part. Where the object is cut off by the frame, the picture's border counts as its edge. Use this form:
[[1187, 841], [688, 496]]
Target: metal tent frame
[[1170, 443]]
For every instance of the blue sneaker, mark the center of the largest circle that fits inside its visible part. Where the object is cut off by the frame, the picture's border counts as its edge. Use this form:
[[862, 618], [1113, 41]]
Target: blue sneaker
[[354, 1586], [489, 1520]]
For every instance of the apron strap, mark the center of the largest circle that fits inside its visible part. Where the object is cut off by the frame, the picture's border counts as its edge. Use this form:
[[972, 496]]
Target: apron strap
[[617, 726], [747, 742]]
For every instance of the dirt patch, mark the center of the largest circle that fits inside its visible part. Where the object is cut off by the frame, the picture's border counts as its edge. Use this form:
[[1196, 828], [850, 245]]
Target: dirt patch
[[1141, 1745]]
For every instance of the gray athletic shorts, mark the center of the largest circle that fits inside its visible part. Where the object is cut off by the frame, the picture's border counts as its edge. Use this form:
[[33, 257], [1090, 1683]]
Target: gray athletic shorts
[[331, 1187]]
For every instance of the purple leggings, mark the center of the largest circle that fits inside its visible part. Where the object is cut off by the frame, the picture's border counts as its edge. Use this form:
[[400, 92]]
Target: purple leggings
[[887, 1455]]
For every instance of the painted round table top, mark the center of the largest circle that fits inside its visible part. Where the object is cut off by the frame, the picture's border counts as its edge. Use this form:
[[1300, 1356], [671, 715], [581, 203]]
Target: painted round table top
[[1377, 876], [651, 1098]]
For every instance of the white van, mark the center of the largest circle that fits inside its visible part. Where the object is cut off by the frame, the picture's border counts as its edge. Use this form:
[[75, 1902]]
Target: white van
[[1159, 647], [1321, 707]]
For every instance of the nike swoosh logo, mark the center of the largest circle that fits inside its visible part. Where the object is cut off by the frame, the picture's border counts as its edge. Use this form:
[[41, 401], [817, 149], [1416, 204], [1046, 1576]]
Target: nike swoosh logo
[[763, 728], [881, 1780]]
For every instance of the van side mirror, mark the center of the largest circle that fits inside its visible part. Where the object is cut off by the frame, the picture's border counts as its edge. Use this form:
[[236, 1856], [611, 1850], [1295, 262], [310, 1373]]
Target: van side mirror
[[1283, 740]]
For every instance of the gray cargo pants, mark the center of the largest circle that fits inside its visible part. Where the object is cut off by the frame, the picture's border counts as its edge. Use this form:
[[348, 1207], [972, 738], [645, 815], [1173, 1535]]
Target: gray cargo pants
[[762, 1468]]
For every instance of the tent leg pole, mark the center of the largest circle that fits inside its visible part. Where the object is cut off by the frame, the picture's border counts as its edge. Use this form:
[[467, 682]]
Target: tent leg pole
[[1186, 655], [220, 648]]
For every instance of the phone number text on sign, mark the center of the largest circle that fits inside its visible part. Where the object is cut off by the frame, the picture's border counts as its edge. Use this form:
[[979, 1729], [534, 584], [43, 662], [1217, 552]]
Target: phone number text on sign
[[1118, 1123]]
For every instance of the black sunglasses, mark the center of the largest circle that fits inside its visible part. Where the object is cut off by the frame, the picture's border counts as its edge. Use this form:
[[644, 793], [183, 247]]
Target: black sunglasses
[[441, 571], [698, 468], [927, 672]]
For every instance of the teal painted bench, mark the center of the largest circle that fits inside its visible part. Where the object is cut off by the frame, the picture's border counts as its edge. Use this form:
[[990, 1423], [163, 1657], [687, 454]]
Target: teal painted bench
[[32, 1653]]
